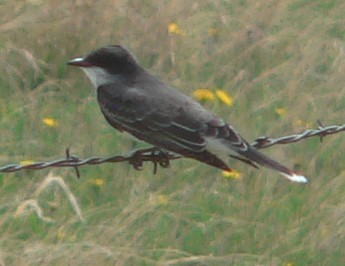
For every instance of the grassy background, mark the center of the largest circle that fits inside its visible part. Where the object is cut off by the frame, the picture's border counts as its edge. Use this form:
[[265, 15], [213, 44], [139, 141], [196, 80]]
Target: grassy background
[[271, 54]]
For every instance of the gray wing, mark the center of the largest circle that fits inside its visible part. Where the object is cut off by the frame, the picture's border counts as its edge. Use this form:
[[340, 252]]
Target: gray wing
[[171, 121], [156, 121]]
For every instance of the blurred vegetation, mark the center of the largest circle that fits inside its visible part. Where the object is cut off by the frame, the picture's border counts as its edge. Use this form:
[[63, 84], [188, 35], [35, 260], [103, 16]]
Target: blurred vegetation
[[283, 64]]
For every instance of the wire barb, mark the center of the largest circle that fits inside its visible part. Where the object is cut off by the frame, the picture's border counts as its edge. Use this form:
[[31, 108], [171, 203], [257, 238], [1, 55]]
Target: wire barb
[[69, 157], [162, 158]]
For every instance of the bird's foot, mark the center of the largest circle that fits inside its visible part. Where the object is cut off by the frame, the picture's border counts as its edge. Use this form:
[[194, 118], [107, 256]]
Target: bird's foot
[[155, 155]]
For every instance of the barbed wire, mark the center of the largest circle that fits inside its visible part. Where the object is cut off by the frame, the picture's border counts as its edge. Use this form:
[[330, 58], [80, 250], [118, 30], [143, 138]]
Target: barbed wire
[[158, 157], [136, 159], [265, 142]]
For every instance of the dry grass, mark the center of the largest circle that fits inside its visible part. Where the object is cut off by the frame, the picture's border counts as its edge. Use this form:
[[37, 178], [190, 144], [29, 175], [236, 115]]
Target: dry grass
[[50, 180], [266, 54]]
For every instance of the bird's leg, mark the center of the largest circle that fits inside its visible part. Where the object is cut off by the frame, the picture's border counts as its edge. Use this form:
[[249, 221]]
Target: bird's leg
[[159, 157], [153, 154], [139, 156], [164, 159], [136, 159]]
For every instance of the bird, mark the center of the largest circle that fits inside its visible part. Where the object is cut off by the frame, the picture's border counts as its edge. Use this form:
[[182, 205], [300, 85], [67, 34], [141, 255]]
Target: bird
[[135, 101]]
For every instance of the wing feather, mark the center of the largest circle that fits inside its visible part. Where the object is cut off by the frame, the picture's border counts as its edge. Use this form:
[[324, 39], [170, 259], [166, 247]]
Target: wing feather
[[158, 125]]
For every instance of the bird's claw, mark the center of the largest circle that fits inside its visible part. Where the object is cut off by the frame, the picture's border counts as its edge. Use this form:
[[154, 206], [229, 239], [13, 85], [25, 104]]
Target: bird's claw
[[136, 160], [154, 155]]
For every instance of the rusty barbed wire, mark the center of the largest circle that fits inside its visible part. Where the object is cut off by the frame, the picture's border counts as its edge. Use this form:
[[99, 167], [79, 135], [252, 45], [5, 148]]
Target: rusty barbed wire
[[157, 157]]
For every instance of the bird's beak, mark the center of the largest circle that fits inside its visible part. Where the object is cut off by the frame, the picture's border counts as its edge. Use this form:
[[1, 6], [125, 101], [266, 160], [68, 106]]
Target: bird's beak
[[79, 62]]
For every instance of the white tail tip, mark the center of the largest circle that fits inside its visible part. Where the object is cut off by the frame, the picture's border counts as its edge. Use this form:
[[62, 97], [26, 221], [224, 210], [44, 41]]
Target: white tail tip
[[296, 178]]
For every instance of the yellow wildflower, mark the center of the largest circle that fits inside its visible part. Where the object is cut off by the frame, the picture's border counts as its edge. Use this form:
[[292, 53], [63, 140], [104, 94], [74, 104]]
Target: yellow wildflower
[[212, 31], [162, 199], [231, 174], [203, 95], [26, 162], [50, 122], [289, 264], [308, 125], [61, 235], [224, 97], [301, 123], [175, 29], [280, 111], [98, 182], [158, 199]]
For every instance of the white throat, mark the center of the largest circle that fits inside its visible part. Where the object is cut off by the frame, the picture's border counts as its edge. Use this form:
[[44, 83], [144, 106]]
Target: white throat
[[98, 76]]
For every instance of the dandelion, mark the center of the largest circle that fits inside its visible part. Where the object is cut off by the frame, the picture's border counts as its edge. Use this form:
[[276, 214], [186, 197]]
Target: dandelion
[[50, 122], [224, 97], [203, 95], [231, 174], [301, 123], [159, 199], [98, 182], [61, 235], [173, 28], [162, 199], [26, 162], [308, 125], [280, 111], [213, 31]]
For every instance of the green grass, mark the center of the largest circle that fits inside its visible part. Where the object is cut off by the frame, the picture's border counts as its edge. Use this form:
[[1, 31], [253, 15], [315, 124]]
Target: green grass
[[266, 54]]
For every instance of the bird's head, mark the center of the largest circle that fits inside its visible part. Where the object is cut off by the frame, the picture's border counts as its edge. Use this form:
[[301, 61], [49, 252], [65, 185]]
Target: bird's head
[[104, 64]]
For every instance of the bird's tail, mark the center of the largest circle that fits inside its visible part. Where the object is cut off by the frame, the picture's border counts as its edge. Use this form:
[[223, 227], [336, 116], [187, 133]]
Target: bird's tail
[[261, 159]]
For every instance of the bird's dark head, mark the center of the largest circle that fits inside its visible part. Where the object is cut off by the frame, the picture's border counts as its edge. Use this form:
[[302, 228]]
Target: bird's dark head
[[100, 64], [113, 58]]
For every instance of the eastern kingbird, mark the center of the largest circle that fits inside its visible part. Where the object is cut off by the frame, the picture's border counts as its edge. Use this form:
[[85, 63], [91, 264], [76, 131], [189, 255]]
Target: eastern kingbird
[[133, 100]]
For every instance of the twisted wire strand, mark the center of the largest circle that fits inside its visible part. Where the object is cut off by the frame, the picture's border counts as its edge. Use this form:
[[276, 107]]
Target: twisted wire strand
[[265, 142], [136, 159], [157, 157]]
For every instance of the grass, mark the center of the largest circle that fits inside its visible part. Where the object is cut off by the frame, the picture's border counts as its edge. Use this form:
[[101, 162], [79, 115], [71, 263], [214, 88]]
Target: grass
[[267, 55]]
